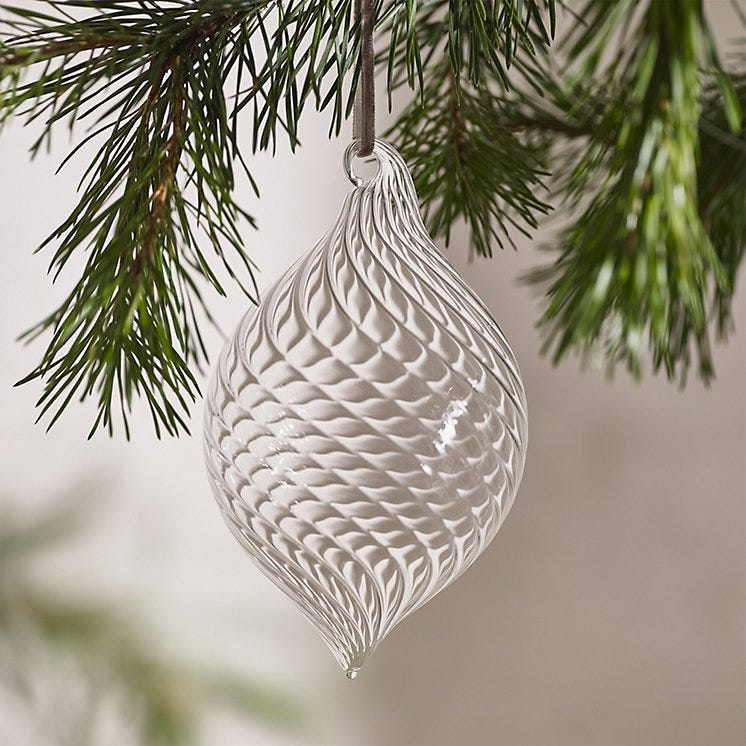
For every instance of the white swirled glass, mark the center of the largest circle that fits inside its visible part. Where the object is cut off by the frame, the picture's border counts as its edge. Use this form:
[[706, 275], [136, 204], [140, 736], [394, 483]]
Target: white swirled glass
[[366, 426]]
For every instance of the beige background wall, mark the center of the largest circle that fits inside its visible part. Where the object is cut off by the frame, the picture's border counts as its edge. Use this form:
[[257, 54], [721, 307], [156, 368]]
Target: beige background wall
[[609, 611]]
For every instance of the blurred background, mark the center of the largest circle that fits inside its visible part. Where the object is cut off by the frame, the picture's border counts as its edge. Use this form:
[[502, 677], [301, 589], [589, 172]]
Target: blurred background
[[610, 610]]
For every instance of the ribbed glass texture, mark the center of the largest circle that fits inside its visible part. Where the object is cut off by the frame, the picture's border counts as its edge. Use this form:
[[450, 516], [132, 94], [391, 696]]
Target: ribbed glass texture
[[366, 426]]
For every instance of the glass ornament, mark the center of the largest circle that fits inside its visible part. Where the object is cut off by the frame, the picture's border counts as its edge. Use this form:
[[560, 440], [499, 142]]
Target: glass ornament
[[365, 428]]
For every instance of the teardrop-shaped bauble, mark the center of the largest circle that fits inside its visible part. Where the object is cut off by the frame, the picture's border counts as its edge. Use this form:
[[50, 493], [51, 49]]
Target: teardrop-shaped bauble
[[366, 425]]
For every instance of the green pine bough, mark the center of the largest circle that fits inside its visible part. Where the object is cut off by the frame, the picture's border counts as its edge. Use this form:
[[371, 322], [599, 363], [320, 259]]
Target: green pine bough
[[629, 123]]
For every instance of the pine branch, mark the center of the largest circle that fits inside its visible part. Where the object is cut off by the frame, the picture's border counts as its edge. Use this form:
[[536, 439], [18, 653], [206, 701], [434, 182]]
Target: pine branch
[[157, 198], [722, 189], [651, 167], [129, 325], [467, 165], [638, 267], [480, 40], [467, 160]]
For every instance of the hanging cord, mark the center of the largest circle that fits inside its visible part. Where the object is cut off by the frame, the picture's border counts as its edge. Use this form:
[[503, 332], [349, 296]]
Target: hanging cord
[[364, 113]]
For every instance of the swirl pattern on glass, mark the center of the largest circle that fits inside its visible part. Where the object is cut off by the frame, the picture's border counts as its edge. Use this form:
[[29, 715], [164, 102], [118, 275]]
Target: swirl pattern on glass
[[366, 427]]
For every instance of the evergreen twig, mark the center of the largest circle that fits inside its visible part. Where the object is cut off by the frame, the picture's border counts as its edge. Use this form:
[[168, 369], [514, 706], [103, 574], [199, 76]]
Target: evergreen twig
[[163, 85], [468, 164], [645, 256]]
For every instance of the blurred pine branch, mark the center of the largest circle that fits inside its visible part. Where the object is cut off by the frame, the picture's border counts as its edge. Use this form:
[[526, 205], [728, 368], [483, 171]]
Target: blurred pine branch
[[164, 698], [653, 179]]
